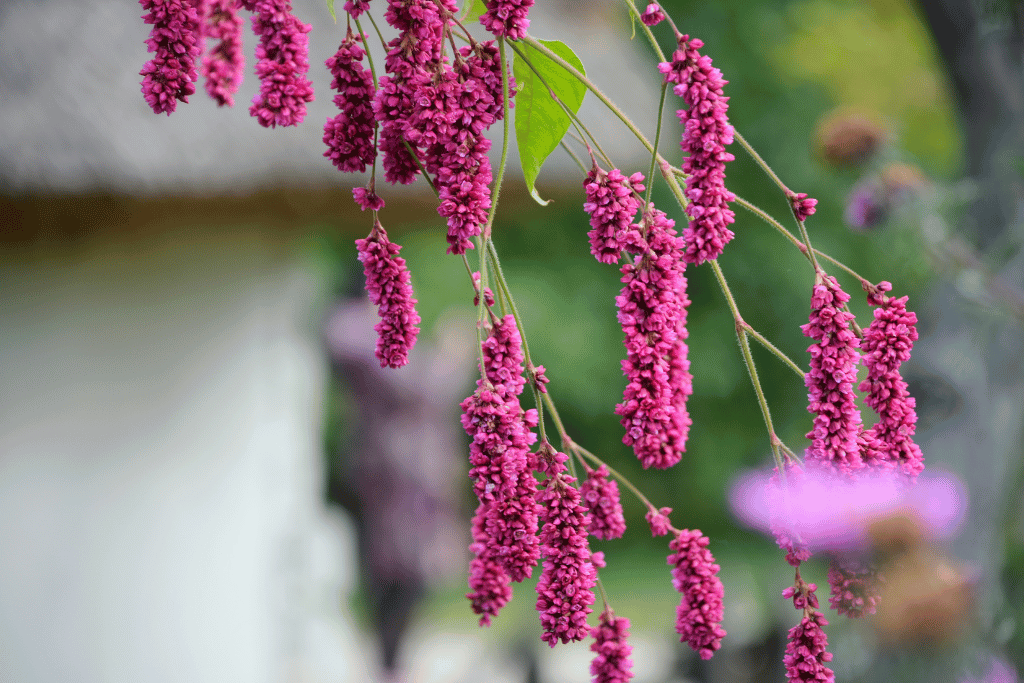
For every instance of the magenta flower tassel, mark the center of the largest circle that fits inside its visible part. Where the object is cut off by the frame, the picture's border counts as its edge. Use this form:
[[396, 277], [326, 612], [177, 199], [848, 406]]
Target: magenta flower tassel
[[854, 588], [601, 497], [611, 663], [489, 583], [356, 7], [387, 283], [282, 62], [175, 39], [830, 379], [224, 64], [612, 203], [707, 132], [349, 135], [806, 653], [695, 575], [507, 18]]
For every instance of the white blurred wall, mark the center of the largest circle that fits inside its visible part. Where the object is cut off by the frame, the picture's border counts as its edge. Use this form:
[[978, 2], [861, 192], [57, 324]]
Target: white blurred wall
[[160, 466]]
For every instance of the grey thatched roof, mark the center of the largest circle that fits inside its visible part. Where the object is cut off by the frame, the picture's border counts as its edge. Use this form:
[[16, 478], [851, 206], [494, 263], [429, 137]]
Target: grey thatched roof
[[74, 120]]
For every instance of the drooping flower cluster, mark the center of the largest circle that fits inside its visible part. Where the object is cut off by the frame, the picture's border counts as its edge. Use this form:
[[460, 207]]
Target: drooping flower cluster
[[356, 7], [887, 343], [695, 575], [806, 652], [652, 313], [612, 203], [830, 379], [349, 135], [658, 520], [282, 60], [803, 206], [508, 18], [611, 663], [387, 283], [169, 77], [565, 591], [601, 497], [223, 65], [707, 132], [854, 588]]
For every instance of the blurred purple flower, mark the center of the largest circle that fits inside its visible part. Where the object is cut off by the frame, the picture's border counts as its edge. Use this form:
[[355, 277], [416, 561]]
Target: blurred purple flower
[[824, 512]]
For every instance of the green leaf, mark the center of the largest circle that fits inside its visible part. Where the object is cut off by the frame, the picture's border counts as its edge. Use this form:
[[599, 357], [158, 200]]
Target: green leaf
[[540, 120], [474, 9], [330, 8]]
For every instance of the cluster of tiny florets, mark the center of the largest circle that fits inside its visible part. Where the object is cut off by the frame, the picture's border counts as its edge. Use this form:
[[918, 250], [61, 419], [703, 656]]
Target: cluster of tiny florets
[[223, 65], [508, 18], [389, 287], [887, 343], [565, 591], [652, 15], [802, 205], [349, 135], [611, 663], [601, 497], [612, 203], [652, 313], [170, 76], [854, 588], [282, 60], [831, 377], [695, 575], [806, 652], [356, 7], [707, 132]]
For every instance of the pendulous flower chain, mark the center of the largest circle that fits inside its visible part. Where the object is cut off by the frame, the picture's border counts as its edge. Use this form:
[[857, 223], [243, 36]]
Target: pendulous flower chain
[[428, 113]]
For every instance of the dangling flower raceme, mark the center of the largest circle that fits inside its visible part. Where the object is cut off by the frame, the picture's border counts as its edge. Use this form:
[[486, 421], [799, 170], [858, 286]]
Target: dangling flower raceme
[[806, 652], [854, 588], [565, 591], [830, 379], [349, 135], [612, 202], [706, 134], [489, 583], [601, 497], [500, 462], [652, 312], [611, 663], [282, 62], [387, 283], [695, 575], [175, 39], [887, 344], [507, 18], [224, 65]]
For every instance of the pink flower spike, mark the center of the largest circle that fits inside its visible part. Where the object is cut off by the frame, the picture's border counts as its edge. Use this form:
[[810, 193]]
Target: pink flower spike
[[658, 519], [652, 15], [175, 39], [507, 18], [611, 663], [367, 199], [611, 205], [282, 62], [854, 588], [706, 134], [806, 654], [387, 283], [224, 64], [349, 134], [830, 379], [601, 496], [695, 575], [489, 583]]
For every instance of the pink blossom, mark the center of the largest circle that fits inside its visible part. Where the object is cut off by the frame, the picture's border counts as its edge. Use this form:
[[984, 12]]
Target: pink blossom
[[611, 663], [489, 583], [601, 497], [830, 379], [224, 64], [802, 205], [652, 15], [802, 595], [175, 40], [387, 283], [612, 203], [282, 62], [658, 521], [652, 312], [706, 133], [806, 653], [366, 198], [349, 135], [887, 343], [695, 575], [565, 591], [854, 588], [356, 7], [507, 18]]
